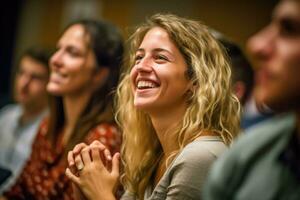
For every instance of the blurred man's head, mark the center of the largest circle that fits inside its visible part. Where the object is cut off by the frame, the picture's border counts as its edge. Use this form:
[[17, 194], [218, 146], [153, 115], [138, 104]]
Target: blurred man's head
[[242, 72], [31, 79], [276, 52]]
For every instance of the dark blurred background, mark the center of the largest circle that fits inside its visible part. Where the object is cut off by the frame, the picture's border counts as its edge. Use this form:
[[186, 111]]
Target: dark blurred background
[[39, 22]]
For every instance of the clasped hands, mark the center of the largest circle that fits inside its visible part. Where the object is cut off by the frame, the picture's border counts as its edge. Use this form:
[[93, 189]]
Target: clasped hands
[[93, 171]]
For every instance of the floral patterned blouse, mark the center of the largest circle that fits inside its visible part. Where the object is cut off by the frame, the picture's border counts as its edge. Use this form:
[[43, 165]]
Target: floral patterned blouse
[[43, 177]]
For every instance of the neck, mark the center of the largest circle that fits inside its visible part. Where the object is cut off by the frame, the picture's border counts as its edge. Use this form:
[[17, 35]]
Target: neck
[[163, 122], [73, 108]]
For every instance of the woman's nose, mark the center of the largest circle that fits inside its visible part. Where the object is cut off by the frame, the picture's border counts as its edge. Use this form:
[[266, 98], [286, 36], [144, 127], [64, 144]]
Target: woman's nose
[[261, 45], [145, 65], [56, 59]]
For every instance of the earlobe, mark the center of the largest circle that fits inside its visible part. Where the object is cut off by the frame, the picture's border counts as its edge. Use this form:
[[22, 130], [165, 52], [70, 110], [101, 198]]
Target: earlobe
[[190, 93], [239, 90]]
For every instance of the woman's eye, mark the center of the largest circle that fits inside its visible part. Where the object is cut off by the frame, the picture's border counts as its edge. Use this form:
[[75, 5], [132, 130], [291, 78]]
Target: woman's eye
[[161, 57], [288, 28], [73, 52], [138, 58]]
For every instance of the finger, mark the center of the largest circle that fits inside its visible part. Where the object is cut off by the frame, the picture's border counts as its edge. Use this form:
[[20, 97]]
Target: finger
[[102, 147], [116, 165], [71, 162], [85, 155], [72, 177], [78, 162], [107, 154], [70, 158], [77, 149], [95, 154], [98, 144]]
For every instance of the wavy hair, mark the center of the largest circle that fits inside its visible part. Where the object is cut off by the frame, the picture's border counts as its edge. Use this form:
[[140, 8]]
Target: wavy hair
[[211, 108]]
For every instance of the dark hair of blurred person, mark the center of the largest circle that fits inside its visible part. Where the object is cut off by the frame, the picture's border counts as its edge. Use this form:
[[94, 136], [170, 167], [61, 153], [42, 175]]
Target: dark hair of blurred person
[[84, 72], [242, 72], [243, 84]]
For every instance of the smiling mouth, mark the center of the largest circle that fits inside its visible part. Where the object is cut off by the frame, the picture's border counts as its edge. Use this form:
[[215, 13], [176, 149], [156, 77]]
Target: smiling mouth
[[142, 85]]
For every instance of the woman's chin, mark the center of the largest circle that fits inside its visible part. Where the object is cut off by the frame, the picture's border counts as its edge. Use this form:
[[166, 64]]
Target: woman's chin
[[142, 105], [53, 89]]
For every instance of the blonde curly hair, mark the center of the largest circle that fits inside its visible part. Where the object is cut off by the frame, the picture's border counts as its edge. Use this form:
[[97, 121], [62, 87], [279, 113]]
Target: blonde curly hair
[[211, 108]]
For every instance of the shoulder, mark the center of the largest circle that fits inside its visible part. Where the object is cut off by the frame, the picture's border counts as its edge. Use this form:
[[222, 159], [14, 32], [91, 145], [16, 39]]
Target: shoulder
[[247, 150], [262, 135], [11, 109], [44, 125], [188, 172], [107, 133], [196, 158], [203, 150], [104, 130]]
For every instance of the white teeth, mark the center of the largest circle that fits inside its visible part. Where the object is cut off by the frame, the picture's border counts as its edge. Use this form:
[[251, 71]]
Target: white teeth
[[58, 75], [145, 84]]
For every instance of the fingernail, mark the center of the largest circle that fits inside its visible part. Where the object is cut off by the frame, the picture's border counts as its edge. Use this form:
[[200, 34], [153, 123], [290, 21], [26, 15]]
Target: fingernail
[[80, 166]]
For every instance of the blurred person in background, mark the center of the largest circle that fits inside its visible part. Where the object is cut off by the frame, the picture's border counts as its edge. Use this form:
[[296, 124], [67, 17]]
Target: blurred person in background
[[84, 72], [243, 82], [242, 72], [19, 122], [253, 112], [266, 163]]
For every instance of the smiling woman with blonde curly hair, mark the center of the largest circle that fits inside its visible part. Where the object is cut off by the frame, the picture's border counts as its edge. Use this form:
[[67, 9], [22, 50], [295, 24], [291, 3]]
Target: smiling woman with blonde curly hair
[[177, 112]]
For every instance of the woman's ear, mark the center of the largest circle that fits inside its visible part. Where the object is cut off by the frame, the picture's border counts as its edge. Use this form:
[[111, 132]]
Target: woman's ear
[[191, 91], [192, 86], [100, 77]]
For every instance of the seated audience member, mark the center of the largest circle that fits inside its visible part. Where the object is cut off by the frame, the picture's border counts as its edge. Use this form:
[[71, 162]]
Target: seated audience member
[[243, 81], [84, 71], [19, 122], [242, 72], [177, 113], [265, 164]]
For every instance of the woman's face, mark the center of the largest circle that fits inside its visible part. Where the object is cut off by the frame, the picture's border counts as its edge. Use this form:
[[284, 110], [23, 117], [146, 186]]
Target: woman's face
[[158, 76], [73, 64]]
